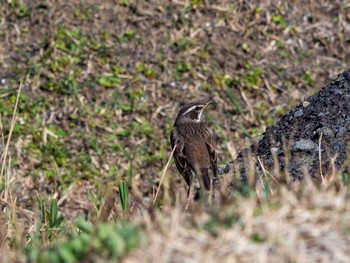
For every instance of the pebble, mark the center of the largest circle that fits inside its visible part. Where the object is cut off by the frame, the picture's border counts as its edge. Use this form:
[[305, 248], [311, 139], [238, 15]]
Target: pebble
[[306, 103], [340, 147], [298, 113], [326, 131], [305, 145], [341, 132], [274, 149]]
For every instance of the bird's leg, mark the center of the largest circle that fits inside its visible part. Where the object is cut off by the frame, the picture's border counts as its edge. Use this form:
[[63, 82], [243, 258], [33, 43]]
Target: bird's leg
[[210, 196], [198, 187], [190, 189], [188, 197]]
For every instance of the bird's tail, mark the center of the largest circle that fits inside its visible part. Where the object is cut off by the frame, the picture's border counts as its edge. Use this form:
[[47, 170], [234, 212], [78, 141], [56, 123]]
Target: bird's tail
[[205, 177]]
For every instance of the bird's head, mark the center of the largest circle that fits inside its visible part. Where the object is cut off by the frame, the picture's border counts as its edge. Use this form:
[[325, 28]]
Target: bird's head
[[193, 110]]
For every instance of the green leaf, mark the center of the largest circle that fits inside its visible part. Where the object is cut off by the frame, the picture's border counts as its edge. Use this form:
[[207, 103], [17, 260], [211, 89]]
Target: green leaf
[[279, 20], [82, 225], [66, 254], [124, 194], [183, 67], [109, 82], [53, 212], [256, 237], [42, 210], [307, 78]]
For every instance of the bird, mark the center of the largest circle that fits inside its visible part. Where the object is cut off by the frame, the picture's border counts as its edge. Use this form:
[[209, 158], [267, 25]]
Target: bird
[[194, 154]]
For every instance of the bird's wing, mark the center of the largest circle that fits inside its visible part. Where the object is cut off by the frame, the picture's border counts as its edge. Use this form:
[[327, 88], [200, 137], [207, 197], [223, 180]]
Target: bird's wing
[[180, 156], [211, 150]]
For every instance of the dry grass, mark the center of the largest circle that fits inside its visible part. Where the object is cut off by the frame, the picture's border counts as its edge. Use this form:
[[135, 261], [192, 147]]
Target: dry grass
[[302, 224]]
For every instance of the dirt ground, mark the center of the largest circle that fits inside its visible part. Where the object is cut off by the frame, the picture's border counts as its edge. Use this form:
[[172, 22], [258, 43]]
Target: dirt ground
[[104, 80]]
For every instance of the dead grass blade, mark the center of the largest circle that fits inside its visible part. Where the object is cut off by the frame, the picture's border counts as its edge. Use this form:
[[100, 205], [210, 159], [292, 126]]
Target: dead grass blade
[[13, 121], [108, 205], [164, 172], [320, 158]]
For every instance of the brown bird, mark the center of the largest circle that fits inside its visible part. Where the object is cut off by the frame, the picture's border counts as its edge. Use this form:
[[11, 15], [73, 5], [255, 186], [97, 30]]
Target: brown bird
[[195, 152]]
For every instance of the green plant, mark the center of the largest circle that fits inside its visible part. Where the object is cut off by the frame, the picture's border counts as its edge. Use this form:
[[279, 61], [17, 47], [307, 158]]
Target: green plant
[[124, 195], [145, 70], [109, 81], [279, 20], [183, 67], [105, 242], [182, 44], [307, 79], [50, 223], [128, 35], [257, 238], [228, 83], [253, 77], [345, 179]]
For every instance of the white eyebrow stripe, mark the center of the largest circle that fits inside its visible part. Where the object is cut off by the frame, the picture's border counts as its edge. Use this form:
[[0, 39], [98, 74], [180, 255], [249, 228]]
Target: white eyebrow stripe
[[190, 109]]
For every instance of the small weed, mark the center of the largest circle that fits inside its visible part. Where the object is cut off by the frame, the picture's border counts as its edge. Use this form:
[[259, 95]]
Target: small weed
[[128, 35], [85, 13], [182, 44], [124, 132], [124, 2], [345, 178], [280, 110], [23, 11], [228, 83], [253, 77], [196, 3], [279, 20], [245, 47], [183, 67], [55, 149], [143, 129], [145, 70], [206, 87], [183, 20], [307, 79], [117, 70], [257, 238], [50, 224], [109, 81]]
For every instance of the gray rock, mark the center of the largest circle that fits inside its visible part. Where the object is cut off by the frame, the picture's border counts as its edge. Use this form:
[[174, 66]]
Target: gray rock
[[298, 113], [274, 149], [340, 147], [306, 103], [326, 131], [305, 145], [341, 132]]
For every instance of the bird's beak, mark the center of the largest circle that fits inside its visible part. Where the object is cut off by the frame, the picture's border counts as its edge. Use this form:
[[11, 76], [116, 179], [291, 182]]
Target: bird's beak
[[208, 104]]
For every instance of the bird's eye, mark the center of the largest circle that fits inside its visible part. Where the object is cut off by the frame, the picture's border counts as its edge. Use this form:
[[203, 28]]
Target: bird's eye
[[198, 108]]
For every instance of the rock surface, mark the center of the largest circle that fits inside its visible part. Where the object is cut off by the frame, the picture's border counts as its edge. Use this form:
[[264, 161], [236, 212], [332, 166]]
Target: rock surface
[[292, 146]]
